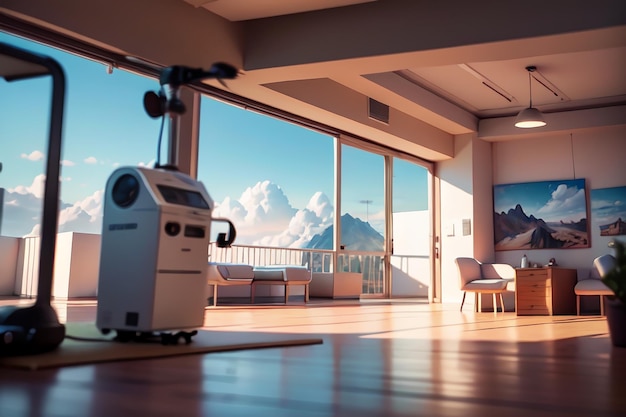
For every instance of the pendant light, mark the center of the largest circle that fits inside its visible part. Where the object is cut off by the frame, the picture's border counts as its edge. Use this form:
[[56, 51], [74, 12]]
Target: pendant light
[[530, 117]]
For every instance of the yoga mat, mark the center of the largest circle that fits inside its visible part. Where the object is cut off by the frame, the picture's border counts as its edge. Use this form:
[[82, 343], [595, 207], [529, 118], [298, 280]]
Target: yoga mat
[[79, 352]]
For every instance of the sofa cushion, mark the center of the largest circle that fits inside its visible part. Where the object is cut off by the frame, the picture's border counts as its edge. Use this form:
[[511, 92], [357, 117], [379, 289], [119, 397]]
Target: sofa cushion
[[282, 273], [231, 271]]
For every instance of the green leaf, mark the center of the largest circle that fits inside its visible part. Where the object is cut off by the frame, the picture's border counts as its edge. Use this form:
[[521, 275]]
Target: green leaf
[[615, 279]]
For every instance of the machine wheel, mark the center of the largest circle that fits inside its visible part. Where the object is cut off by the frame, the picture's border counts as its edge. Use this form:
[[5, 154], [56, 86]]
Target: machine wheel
[[124, 336]]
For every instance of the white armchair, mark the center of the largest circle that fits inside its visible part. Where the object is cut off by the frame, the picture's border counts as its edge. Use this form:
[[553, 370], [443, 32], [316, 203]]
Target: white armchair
[[484, 278], [593, 285]]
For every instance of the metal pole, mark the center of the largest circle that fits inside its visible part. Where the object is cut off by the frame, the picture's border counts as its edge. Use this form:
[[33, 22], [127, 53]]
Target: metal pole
[[1, 207]]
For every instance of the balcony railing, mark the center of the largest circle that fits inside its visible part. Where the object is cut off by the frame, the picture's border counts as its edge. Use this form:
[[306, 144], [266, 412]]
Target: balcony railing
[[368, 264], [24, 281]]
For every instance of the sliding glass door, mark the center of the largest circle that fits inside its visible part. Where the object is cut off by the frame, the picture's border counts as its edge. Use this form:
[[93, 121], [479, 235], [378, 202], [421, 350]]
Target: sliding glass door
[[410, 260], [363, 220]]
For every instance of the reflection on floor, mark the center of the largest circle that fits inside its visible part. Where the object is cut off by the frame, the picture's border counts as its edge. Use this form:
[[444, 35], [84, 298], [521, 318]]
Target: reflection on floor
[[379, 358]]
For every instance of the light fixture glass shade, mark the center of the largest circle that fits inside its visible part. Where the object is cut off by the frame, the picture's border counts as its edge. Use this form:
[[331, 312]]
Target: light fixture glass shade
[[529, 117]]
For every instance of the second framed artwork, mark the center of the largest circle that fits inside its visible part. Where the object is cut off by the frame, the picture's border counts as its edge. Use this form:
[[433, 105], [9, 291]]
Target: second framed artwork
[[541, 215], [608, 211]]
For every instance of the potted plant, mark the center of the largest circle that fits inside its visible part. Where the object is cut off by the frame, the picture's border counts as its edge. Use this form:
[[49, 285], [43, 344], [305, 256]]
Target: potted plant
[[615, 279]]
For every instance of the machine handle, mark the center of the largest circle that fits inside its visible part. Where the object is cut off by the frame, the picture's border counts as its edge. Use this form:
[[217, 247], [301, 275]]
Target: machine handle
[[222, 240]]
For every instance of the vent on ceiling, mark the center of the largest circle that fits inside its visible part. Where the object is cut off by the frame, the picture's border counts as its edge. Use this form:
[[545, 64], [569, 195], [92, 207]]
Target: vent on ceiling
[[378, 111]]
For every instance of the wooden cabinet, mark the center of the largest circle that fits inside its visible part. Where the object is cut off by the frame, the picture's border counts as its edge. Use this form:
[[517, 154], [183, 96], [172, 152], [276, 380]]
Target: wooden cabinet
[[545, 291]]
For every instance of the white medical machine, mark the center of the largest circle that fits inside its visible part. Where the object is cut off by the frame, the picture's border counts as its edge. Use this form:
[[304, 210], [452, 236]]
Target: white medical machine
[[155, 237], [155, 234]]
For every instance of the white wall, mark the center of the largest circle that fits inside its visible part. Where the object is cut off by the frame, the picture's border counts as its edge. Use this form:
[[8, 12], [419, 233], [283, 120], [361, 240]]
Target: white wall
[[457, 203], [597, 155], [482, 192]]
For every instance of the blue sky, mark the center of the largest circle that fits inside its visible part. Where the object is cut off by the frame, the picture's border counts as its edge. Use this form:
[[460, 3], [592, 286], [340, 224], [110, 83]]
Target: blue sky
[[257, 169], [608, 205], [100, 109], [551, 201], [236, 144]]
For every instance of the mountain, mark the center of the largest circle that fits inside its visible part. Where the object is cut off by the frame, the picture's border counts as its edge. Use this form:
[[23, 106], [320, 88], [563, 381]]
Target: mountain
[[357, 235], [513, 223], [515, 230], [616, 228], [542, 238]]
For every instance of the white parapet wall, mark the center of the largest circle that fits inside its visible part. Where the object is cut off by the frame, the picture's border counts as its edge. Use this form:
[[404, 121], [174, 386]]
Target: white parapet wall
[[27, 270], [76, 265], [336, 285], [9, 247]]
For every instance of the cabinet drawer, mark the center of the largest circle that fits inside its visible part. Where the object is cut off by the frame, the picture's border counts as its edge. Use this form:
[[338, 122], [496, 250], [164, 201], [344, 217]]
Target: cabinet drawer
[[531, 272], [533, 284], [533, 303], [534, 297]]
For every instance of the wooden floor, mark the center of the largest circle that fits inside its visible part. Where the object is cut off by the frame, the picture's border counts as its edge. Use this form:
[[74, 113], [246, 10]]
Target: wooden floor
[[403, 358]]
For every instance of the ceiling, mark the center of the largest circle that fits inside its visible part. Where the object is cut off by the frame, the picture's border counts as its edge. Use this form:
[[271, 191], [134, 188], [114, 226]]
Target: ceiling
[[561, 81], [568, 77], [238, 10], [440, 68]]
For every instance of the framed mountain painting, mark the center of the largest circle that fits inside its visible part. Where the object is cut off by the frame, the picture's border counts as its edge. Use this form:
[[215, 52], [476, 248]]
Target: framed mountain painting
[[608, 211], [540, 215]]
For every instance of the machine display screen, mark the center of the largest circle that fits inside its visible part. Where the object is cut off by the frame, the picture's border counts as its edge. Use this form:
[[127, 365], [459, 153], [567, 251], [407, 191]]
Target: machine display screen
[[183, 197]]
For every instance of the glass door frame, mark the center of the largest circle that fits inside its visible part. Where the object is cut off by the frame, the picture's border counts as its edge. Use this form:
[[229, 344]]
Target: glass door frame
[[388, 155]]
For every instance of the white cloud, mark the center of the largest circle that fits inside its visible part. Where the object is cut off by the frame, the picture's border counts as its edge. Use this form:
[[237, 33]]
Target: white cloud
[[33, 156], [36, 188], [565, 205], [306, 223], [90, 160], [320, 204], [67, 163], [22, 211], [606, 211], [563, 192], [261, 210], [23, 207], [84, 215], [35, 231], [267, 205], [148, 164], [263, 216], [232, 210]]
